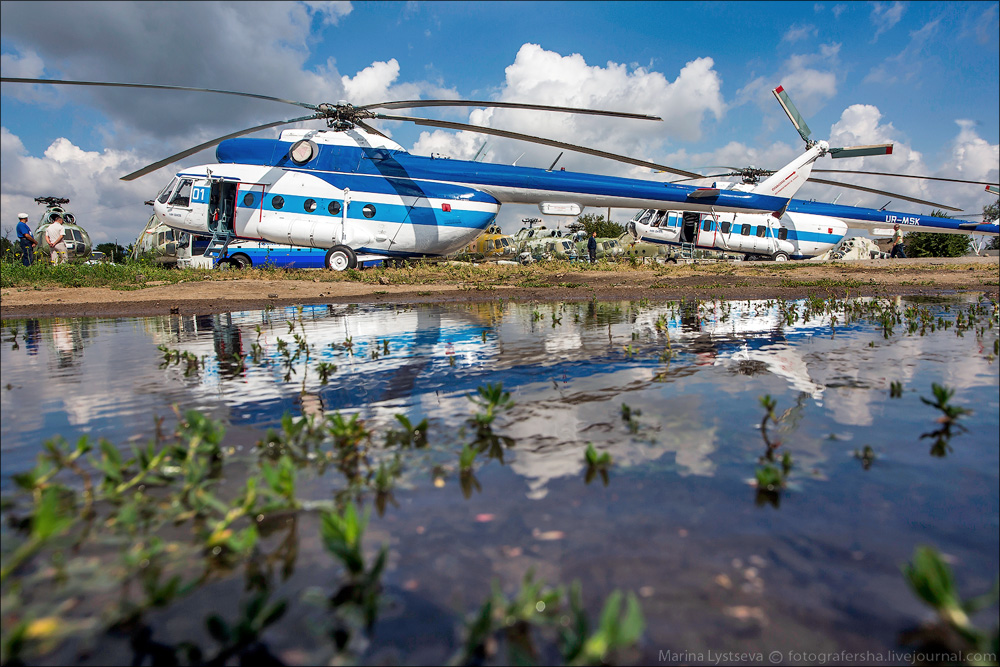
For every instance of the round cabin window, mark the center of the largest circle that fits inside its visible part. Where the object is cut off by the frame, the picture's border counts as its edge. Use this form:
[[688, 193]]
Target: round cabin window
[[249, 199], [277, 201], [309, 205], [369, 210], [334, 207], [302, 151]]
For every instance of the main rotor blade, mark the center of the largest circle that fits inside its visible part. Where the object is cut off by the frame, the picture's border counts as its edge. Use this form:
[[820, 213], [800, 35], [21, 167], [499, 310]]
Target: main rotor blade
[[156, 86], [368, 128], [208, 144], [413, 104], [793, 114], [885, 173], [884, 192], [537, 140]]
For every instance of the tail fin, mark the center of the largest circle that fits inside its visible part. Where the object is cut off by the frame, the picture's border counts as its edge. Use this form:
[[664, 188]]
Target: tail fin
[[786, 181]]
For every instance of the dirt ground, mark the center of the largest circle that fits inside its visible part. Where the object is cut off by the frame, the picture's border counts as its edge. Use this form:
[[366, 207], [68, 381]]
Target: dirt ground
[[742, 280]]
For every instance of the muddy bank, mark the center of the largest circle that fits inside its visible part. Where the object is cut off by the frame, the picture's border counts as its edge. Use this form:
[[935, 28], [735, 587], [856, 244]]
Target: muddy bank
[[744, 280]]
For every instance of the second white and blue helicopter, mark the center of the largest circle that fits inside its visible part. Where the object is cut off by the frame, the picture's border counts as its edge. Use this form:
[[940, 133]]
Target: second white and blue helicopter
[[802, 229]]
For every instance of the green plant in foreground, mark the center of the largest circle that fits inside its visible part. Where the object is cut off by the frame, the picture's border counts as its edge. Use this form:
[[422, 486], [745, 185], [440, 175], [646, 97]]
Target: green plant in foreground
[[931, 579], [409, 435], [513, 623], [358, 599]]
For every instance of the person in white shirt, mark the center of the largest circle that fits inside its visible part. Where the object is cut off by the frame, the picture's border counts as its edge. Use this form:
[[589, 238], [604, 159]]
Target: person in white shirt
[[55, 235]]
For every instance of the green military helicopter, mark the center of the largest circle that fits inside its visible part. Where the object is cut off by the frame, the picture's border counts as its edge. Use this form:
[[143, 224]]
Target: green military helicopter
[[78, 244]]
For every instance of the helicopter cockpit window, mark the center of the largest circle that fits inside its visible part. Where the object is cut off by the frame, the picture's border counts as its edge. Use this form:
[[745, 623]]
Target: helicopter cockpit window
[[165, 192], [182, 197], [489, 244], [673, 219], [645, 216], [658, 219], [505, 243]]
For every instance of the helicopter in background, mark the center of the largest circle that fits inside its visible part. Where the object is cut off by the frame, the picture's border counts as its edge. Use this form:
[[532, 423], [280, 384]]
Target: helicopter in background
[[355, 192], [78, 243], [803, 229]]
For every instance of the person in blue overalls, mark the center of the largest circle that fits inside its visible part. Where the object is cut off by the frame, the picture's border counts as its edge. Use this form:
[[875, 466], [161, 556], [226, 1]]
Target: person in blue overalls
[[27, 241]]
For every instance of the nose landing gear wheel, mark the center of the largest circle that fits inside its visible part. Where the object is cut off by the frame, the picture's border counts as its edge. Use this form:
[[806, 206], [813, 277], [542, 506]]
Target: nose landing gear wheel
[[340, 257]]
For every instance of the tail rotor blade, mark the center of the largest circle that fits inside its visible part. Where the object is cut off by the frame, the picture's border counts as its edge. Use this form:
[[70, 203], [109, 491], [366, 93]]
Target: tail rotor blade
[[860, 151], [793, 114]]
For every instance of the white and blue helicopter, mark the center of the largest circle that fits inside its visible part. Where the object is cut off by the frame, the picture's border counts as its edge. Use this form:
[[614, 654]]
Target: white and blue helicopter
[[353, 190], [803, 229]]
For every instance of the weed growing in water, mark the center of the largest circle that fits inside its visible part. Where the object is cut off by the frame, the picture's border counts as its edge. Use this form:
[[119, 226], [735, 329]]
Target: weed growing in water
[[932, 581], [555, 613], [866, 456], [597, 464], [948, 419]]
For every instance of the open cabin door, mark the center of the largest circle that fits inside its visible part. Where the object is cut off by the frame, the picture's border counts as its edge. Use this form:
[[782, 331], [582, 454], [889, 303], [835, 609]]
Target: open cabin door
[[222, 206], [689, 228]]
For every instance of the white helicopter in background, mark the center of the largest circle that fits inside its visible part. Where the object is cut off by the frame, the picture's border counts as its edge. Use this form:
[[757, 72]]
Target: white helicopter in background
[[803, 229], [356, 192]]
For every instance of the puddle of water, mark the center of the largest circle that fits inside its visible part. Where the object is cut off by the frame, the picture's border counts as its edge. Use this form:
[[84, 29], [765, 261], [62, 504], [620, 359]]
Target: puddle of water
[[677, 521]]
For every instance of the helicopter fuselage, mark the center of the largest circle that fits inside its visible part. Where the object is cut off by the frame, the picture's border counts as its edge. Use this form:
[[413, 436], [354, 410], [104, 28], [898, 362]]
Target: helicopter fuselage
[[355, 189]]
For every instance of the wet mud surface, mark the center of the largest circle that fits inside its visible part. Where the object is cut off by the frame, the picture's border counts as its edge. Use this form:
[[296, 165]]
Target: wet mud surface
[[744, 280]]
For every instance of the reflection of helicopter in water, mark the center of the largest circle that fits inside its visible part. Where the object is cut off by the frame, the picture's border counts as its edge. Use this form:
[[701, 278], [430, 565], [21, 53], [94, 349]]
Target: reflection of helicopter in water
[[77, 239], [354, 191]]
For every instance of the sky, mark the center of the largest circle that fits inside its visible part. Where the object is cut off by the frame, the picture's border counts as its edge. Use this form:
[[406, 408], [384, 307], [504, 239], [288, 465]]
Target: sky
[[922, 75]]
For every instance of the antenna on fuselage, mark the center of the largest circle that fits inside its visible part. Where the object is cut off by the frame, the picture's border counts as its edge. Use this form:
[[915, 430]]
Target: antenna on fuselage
[[556, 160]]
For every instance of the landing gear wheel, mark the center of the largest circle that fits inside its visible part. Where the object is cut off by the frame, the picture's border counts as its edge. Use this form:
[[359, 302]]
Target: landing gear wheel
[[780, 257], [240, 262], [340, 258]]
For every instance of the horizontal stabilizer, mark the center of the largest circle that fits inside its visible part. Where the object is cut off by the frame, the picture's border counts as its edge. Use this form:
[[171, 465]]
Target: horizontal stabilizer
[[969, 225], [701, 193], [860, 151]]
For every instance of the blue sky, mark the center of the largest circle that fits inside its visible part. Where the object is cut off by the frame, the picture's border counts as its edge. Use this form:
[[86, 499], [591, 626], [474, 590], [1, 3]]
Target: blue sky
[[921, 75]]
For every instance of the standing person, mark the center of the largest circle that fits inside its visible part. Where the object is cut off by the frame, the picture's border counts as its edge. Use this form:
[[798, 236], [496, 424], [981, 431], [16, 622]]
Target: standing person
[[592, 247], [897, 243], [55, 235], [25, 239]]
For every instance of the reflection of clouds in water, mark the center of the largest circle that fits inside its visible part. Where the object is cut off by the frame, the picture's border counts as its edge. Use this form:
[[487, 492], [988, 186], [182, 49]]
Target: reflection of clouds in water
[[781, 360], [858, 378], [554, 434]]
